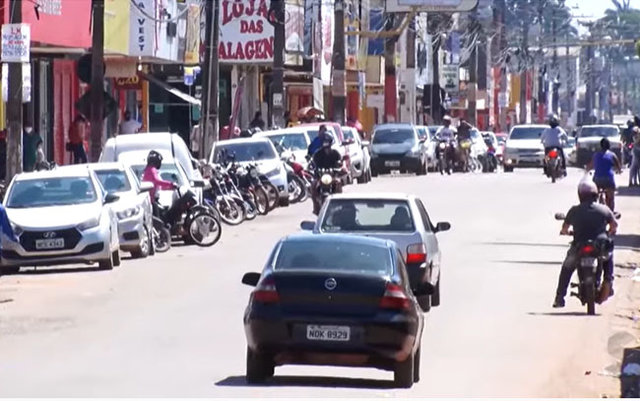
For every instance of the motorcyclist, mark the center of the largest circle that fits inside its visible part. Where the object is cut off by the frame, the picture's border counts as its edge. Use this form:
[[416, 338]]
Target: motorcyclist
[[316, 144], [589, 220], [554, 137], [325, 158], [151, 174], [464, 134], [446, 133], [604, 162]]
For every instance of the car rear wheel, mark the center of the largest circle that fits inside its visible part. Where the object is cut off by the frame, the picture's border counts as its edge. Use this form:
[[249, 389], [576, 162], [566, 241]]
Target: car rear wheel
[[260, 367], [435, 297], [416, 366], [374, 173], [425, 302], [403, 373]]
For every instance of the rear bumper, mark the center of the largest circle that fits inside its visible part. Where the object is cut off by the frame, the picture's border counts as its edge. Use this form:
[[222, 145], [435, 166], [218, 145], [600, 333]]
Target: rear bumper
[[374, 344], [383, 163], [523, 160]]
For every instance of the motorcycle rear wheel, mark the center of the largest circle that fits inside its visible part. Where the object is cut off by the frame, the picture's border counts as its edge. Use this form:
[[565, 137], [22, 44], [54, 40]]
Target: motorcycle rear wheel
[[589, 287], [204, 229], [272, 195], [262, 200], [161, 236]]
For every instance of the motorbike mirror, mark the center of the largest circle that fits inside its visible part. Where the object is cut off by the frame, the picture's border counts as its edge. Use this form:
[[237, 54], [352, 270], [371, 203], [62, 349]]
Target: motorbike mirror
[[443, 226], [251, 279], [423, 289], [307, 225], [560, 216]]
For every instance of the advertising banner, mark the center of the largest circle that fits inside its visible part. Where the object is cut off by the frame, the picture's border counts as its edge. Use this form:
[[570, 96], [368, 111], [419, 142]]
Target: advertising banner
[[246, 36]]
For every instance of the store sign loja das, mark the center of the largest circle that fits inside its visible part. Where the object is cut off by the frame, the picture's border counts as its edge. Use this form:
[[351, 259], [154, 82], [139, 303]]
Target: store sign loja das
[[246, 36]]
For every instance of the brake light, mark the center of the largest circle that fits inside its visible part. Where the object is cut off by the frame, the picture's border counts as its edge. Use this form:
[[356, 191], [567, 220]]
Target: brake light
[[266, 292], [553, 154], [587, 249], [394, 298], [416, 253]]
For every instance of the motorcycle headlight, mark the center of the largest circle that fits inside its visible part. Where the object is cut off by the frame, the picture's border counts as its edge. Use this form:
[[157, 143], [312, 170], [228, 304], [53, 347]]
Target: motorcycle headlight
[[442, 145], [127, 213], [91, 223], [253, 173], [326, 179]]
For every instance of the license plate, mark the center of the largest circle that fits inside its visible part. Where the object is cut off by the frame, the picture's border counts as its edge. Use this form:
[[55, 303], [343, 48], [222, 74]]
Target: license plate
[[588, 262], [55, 243], [392, 163], [328, 333]]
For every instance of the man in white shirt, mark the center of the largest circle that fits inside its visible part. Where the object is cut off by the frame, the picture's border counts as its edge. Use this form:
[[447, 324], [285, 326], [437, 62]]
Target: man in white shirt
[[555, 137], [129, 125]]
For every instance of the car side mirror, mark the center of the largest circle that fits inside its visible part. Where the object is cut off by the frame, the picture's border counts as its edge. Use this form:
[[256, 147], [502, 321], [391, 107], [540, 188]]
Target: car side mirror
[[443, 226], [560, 216], [365, 143], [110, 198], [423, 289], [307, 225], [197, 183], [251, 279], [145, 186]]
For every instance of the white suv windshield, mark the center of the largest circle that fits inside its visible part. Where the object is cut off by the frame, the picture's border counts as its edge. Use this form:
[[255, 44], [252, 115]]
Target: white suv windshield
[[51, 192]]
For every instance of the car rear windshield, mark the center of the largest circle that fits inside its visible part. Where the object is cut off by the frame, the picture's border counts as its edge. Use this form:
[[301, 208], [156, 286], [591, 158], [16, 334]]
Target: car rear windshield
[[374, 215], [113, 180], [526, 133], [245, 152], [51, 192], [168, 172], [351, 257], [394, 135], [591, 132], [291, 141]]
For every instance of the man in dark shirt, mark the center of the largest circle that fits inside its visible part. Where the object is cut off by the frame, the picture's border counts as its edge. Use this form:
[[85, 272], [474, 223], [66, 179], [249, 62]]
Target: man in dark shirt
[[589, 221], [326, 158]]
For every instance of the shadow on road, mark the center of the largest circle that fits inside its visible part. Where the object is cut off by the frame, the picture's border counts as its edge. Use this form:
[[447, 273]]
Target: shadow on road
[[39, 271], [583, 314], [628, 191], [308, 381], [627, 241], [524, 244], [529, 262]]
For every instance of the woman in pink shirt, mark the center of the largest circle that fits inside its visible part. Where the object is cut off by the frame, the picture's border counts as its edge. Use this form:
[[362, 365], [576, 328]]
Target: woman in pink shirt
[[151, 174]]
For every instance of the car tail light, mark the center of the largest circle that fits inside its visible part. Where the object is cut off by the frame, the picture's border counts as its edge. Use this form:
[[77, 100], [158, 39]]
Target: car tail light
[[394, 298], [587, 249], [553, 154], [416, 253], [266, 292]]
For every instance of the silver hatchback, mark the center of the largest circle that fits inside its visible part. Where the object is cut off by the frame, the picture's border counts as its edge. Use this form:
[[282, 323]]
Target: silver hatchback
[[401, 218]]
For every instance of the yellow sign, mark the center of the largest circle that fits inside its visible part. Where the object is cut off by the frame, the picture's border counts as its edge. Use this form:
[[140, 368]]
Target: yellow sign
[[116, 26], [192, 49]]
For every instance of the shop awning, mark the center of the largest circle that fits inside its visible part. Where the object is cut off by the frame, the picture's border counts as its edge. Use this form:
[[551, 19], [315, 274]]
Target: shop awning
[[187, 98]]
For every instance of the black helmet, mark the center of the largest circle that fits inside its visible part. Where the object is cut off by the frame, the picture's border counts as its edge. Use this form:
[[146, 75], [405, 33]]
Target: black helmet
[[327, 141], [154, 159], [554, 121]]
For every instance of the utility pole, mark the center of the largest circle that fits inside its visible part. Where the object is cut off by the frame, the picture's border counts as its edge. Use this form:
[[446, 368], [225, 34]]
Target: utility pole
[[524, 74], [339, 84], [410, 80], [97, 81], [210, 77], [473, 85], [504, 68], [277, 85], [588, 104], [14, 106], [554, 69], [390, 88]]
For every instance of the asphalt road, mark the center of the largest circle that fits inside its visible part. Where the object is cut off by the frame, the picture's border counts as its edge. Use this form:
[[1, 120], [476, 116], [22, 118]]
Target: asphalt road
[[171, 325]]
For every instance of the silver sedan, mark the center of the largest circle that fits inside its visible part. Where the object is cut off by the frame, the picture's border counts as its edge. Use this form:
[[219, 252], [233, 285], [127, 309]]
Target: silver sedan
[[397, 217]]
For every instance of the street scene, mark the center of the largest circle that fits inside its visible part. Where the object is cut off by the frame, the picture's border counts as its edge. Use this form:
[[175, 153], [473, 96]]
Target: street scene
[[304, 198]]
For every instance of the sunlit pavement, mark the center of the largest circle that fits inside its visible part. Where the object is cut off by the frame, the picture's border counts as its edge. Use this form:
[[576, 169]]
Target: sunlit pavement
[[171, 325]]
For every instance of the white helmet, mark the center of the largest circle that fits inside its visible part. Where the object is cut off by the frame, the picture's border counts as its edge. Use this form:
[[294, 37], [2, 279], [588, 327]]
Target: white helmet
[[587, 189]]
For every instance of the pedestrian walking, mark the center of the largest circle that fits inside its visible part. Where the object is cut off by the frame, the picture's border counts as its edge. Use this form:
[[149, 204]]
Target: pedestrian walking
[[257, 121], [129, 125], [77, 133], [29, 148]]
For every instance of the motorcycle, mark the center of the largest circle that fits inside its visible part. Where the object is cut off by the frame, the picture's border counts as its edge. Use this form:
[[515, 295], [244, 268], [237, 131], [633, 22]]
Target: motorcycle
[[627, 152], [490, 160], [592, 256], [218, 196], [445, 153], [299, 179], [328, 182], [188, 220], [553, 165]]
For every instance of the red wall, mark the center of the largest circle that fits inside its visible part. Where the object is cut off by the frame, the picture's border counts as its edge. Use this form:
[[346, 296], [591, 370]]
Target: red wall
[[65, 93], [70, 29]]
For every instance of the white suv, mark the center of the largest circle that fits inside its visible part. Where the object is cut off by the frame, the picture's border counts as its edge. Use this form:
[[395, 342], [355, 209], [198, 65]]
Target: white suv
[[523, 147]]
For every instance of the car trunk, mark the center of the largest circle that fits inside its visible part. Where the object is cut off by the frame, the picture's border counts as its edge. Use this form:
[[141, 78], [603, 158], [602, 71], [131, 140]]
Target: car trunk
[[311, 293]]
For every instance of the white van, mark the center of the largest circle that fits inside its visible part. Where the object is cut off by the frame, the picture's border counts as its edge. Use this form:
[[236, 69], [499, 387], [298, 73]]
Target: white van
[[167, 144]]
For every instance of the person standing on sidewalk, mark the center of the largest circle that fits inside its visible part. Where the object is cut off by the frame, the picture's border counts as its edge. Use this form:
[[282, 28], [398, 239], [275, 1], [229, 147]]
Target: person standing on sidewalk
[[129, 125], [77, 133], [196, 138], [30, 141]]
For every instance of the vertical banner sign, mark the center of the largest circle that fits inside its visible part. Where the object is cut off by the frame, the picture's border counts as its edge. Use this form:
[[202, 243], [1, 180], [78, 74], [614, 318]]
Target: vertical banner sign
[[246, 36], [141, 41], [294, 28], [352, 25], [192, 49], [326, 56], [449, 73], [26, 82], [16, 41]]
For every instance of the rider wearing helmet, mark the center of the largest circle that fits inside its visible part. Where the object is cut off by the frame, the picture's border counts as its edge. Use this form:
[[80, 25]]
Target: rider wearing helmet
[[316, 144], [150, 174], [555, 137], [326, 158], [589, 220], [446, 132], [604, 162]]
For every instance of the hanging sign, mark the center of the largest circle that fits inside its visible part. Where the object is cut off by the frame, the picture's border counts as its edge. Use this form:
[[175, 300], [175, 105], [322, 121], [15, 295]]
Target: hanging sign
[[16, 41], [246, 35]]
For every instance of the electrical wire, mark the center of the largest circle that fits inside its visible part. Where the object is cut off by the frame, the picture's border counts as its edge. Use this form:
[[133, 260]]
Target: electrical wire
[[162, 20]]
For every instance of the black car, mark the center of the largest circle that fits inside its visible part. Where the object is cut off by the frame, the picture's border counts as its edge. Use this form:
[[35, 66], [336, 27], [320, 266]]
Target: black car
[[335, 300], [398, 147]]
